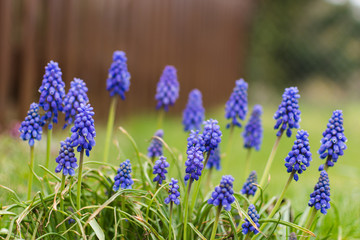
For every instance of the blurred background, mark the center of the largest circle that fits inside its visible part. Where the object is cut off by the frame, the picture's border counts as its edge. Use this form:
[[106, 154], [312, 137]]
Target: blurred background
[[271, 44]]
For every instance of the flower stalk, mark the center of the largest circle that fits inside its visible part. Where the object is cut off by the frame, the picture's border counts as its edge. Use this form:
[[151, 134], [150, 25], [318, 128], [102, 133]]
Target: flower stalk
[[31, 174], [110, 127], [213, 233], [78, 196]]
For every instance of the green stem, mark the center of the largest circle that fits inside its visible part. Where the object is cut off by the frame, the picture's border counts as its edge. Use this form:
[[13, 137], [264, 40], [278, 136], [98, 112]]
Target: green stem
[[208, 182], [31, 175], [61, 190], [170, 218], [78, 196], [310, 221], [121, 222], [160, 118], [213, 233], [110, 126], [187, 207], [247, 163], [267, 168], [48, 148]]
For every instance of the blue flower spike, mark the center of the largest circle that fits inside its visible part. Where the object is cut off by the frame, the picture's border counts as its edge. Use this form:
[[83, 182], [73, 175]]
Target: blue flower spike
[[76, 96], [160, 170], [67, 162], [288, 114], [250, 186], [194, 163], [167, 91], [123, 177], [223, 194], [247, 227], [211, 135], [214, 159], [194, 113], [253, 132], [173, 192], [52, 93], [196, 139], [31, 128], [156, 148], [320, 198], [333, 141], [237, 105], [299, 157]]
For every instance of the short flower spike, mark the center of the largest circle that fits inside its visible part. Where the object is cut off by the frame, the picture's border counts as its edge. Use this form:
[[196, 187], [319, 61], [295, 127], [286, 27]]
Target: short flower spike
[[223, 194], [288, 114], [247, 226], [156, 148], [30, 129], [211, 135], [167, 90], [160, 170], [173, 192], [194, 163], [237, 105], [196, 139], [250, 187], [66, 160], [320, 198], [194, 113], [123, 178], [253, 132], [214, 159]]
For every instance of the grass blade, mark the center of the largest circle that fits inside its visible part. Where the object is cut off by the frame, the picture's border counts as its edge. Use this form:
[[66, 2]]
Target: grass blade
[[97, 229], [196, 231]]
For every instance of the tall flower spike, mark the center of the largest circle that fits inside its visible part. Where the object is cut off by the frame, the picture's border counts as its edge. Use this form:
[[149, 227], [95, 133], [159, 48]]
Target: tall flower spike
[[320, 198], [160, 170], [66, 160], [173, 192], [52, 93], [288, 114], [299, 157], [214, 159], [333, 141], [236, 106], [193, 114], [167, 90], [247, 226], [83, 131], [30, 129], [253, 132], [118, 81], [194, 163], [223, 194], [156, 149], [123, 177], [73, 99], [250, 187], [211, 135]]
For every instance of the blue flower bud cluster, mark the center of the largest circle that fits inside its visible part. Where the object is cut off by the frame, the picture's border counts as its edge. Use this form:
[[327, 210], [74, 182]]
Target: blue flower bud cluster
[[223, 195], [299, 157], [52, 93], [333, 141], [31, 128], [194, 163], [173, 192], [160, 170], [167, 90], [73, 100], [211, 135], [156, 149], [214, 159], [320, 198], [196, 139], [253, 132], [194, 113], [250, 187], [66, 160], [236, 106], [288, 114], [247, 227], [123, 178], [118, 81]]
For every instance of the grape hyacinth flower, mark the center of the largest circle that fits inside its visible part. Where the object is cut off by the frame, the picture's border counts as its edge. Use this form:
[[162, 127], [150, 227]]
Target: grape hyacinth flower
[[299, 157], [288, 114], [223, 194], [292, 236], [236, 106], [214, 159], [167, 90], [253, 132], [333, 141], [196, 139], [320, 198], [30, 129], [211, 135], [247, 227], [73, 99], [52, 93], [173, 192], [66, 160], [194, 164], [250, 187], [160, 169], [193, 114], [118, 81], [123, 178], [83, 131], [156, 148]]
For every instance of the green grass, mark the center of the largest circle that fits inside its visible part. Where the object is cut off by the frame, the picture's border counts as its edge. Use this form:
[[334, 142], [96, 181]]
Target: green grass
[[342, 220]]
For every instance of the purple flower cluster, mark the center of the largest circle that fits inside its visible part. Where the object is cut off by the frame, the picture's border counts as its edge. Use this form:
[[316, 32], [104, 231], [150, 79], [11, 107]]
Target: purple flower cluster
[[288, 114], [249, 187], [118, 81], [73, 100], [123, 178], [194, 113], [31, 128], [211, 135], [156, 149], [160, 169], [194, 163], [223, 194], [196, 139], [299, 157], [236, 106], [320, 198], [253, 132], [247, 226], [333, 141], [52, 93], [214, 159], [173, 192], [83, 131], [167, 90], [66, 160]]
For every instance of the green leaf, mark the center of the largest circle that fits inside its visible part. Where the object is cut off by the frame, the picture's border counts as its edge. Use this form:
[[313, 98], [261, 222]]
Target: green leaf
[[51, 173], [97, 229], [289, 224], [3, 212], [196, 231], [233, 225]]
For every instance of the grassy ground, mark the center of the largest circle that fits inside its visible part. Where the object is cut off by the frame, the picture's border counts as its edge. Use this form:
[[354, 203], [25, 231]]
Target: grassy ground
[[343, 218]]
